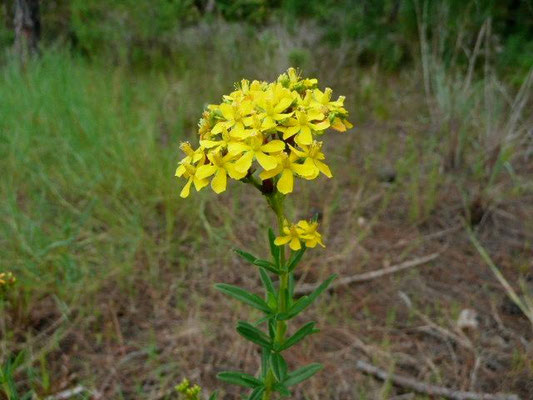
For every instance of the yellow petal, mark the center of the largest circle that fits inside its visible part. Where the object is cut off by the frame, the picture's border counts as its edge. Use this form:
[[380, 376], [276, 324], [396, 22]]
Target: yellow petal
[[271, 173], [283, 104], [218, 128], [245, 162], [314, 115], [323, 168], [297, 152], [295, 244], [200, 183], [205, 171], [305, 170], [268, 123], [234, 172], [186, 189], [286, 182], [267, 162], [290, 131], [227, 111], [273, 146], [180, 170], [208, 144], [347, 124], [235, 148], [309, 170], [305, 137], [219, 182], [279, 117], [321, 125], [311, 243], [338, 125], [280, 241]]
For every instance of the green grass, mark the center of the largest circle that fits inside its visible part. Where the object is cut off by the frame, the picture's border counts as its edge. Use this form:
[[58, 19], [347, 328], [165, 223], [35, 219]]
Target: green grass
[[78, 146]]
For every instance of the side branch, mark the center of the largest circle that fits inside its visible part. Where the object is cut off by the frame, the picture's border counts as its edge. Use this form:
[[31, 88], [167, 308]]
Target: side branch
[[367, 276], [431, 390]]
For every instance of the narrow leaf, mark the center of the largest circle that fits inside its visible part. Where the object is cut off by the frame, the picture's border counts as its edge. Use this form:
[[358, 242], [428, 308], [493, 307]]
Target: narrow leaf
[[266, 265], [267, 282], [296, 257], [279, 366], [239, 378], [244, 296], [214, 395], [265, 356], [256, 393], [305, 301], [250, 332], [300, 334], [247, 256], [318, 291], [302, 374], [282, 389]]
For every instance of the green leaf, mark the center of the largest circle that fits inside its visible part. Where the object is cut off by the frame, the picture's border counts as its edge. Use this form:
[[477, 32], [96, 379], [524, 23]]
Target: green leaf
[[282, 388], [239, 378], [274, 250], [247, 256], [296, 257], [244, 296], [279, 366], [214, 395], [250, 332], [302, 374], [257, 261], [300, 334], [256, 393], [267, 282], [305, 301], [272, 301], [265, 356], [266, 265]]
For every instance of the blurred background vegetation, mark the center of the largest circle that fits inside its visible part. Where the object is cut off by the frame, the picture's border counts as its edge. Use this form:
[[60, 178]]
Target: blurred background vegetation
[[385, 32], [114, 274]]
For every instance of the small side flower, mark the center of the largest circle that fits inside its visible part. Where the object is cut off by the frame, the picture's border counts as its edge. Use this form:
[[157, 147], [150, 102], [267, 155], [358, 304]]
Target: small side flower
[[303, 231]]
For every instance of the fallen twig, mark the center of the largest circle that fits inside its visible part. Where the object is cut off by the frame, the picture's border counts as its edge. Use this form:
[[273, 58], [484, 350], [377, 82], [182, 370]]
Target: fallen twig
[[428, 389], [367, 276], [67, 394]]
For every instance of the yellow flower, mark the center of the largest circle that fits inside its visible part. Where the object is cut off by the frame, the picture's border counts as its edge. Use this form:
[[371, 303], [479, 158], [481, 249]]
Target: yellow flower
[[293, 81], [191, 174], [308, 232], [257, 121], [341, 124], [303, 127], [290, 235], [235, 116], [222, 143], [272, 104], [313, 158], [7, 278], [256, 149], [287, 167], [220, 166], [192, 157]]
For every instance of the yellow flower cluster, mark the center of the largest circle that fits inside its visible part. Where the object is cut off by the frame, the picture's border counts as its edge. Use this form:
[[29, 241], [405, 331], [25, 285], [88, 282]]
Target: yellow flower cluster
[[7, 279], [294, 234], [190, 392], [271, 128]]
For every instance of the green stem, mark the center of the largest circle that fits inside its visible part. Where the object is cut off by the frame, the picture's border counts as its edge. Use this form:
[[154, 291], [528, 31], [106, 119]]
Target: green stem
[[276, 203]]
